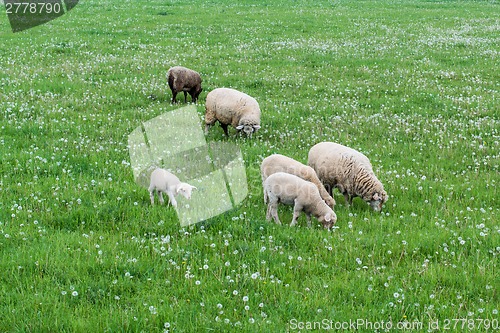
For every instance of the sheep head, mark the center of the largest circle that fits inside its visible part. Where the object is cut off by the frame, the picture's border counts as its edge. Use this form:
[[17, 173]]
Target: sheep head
[[328, 220], [378, 199], [248, 129], [185, 190]]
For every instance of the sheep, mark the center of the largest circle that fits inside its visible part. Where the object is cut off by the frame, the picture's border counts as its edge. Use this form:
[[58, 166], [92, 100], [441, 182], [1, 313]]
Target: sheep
[[348, 170], [276, 163], [185, 80], [232, 107], [163, 181], [292, 190]]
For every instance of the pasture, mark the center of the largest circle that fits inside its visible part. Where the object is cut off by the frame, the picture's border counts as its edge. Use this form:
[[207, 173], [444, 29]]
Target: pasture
[[414, 85]]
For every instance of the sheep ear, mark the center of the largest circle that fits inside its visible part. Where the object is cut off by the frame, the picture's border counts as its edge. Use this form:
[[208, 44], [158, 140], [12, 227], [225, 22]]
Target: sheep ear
[[256, 127], [328, 217], [239, 127], [193, 187], [376, 196]]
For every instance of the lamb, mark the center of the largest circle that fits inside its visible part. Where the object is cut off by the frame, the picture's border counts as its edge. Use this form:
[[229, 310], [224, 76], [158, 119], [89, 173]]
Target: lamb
[[164, 182], [348, 170], [185, 80], [290, 189], [232, 107], [276, 163]]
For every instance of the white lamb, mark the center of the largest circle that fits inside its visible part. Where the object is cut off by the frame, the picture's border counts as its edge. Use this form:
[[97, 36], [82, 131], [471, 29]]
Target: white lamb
[[232, 107], [292, 190], [280, 163], [163, 181], [348, 170]]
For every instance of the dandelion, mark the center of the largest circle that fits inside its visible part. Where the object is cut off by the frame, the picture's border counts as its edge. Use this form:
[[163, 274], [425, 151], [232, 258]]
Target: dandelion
[[245, 298], [74, 293], [235, 292]]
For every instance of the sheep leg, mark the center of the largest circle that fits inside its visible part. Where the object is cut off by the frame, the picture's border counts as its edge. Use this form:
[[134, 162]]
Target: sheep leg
[[207, 126], [268, 212], [185, 97], [224, 127], [308, 218], [192, 93], [152, 197], [296, 215], [171, 197], [348, 200], [273, 211], [330, 190], [297, 208], [160, 195], [174, 94]]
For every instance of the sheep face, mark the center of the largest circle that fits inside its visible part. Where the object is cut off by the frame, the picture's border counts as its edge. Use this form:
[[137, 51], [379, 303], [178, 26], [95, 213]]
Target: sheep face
[[328, 220], [248, 129], [197, 93], [330, 202], [185, 190], [377, 200]]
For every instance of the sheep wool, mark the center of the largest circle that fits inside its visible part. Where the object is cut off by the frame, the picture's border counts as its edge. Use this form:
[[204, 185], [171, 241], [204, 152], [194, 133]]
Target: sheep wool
[[185, 80], [280, 163], [292, 190], [232, 107], [348, 170]]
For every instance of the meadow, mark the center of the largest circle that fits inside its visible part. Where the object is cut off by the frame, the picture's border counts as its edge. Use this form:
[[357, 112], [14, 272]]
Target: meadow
[[414, 85]]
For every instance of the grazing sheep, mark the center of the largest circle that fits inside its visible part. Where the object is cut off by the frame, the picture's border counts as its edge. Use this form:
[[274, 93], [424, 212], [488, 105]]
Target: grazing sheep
[[292, 190], [349, 171], [164, 182], [185, 80], [232, 107], [280, 163]]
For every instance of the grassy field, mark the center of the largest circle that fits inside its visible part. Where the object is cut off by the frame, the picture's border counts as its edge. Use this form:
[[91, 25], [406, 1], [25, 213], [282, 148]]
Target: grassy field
[[412, 84]]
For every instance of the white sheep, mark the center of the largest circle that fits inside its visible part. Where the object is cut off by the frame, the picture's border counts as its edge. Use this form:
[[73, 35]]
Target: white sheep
[[348, 170], [163, 181], [292, 190], [232, 107], [280, 163], [186, 80]]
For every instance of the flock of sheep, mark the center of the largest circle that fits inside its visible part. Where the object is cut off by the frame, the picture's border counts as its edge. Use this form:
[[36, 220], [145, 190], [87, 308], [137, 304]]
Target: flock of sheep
[[284, 180]]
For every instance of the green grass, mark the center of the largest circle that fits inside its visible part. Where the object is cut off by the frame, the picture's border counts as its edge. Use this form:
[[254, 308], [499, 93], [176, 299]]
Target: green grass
[[412, 84]]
